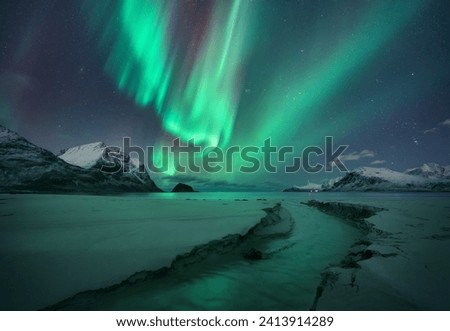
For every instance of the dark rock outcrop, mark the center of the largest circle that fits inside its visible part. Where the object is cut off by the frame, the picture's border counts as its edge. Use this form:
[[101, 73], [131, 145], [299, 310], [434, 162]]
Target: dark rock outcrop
[[354, 213], [180, 187], [348, 211], [294, 189], [358, 182]]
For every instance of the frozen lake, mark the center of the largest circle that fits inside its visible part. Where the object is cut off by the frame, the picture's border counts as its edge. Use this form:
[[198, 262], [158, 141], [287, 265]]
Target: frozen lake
[[55, 246]]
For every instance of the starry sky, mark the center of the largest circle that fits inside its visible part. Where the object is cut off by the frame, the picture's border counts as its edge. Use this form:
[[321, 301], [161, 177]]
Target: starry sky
[[375, 75]]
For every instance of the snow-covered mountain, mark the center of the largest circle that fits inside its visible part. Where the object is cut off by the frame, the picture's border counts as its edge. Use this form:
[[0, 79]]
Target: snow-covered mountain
[[306, 188], [327, 184], [383, 179], [84, 156], [431, 170], [25, 167], [98, 155], [429, 177]]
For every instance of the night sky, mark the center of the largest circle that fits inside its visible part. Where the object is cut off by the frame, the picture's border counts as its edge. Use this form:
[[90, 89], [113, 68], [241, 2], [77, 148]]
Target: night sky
[[375, 75]]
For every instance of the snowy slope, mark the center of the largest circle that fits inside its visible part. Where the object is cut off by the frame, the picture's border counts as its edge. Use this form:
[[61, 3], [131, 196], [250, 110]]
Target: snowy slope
[[430, 170], [7, 135], [107, 158], [391, 176], [84, 156], [383, 179], [25, 167], [327, 184]]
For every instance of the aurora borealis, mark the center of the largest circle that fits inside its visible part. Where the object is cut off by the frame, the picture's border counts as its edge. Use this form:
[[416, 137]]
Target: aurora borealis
[[374, 75], [196, 100]]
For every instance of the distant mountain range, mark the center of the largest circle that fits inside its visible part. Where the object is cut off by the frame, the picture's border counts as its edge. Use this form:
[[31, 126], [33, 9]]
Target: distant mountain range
[[97, 168], [306, 188], [428, 177], [431, 170], [25, 167]]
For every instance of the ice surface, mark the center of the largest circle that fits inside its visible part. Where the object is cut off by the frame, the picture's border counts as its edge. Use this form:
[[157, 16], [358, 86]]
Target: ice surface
[[416, 275], [53, 246], [284, 279]]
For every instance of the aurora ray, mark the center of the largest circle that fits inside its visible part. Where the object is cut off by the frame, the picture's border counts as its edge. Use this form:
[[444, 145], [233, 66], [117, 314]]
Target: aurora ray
[[197, 91], [198, 101], [299, 97], [289, 108], [206, 108], [136, 40]]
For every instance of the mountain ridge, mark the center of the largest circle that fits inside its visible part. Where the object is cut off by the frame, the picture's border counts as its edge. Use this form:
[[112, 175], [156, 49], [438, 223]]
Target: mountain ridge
[[428, 177], [27, 168]]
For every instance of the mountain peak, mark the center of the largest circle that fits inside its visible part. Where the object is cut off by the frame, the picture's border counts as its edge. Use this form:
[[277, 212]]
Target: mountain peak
[[8, 135], [84, 156], [383, 179], [25, 167], [430, 170]]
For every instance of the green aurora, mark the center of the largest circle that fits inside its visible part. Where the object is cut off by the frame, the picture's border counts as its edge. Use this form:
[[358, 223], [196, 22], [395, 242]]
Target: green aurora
[[194, 102], [204, 100]]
